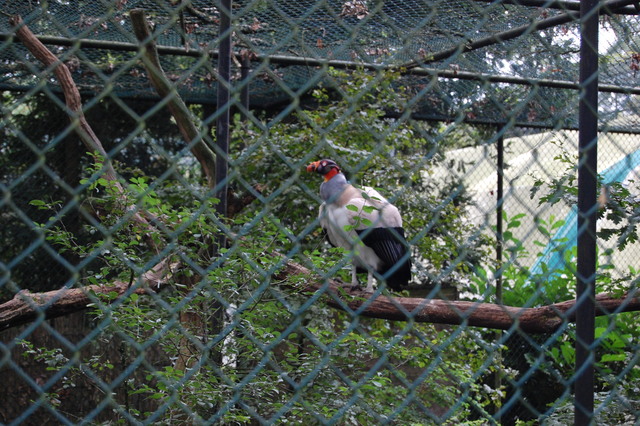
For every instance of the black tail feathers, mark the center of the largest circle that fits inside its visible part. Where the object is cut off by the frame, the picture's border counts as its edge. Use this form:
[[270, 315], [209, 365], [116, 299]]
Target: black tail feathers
[[392, 248]]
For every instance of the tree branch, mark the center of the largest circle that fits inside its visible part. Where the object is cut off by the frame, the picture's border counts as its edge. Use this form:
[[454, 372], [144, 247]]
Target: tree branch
[[544, 319], [74, 104], [166, 89], [26, 306], [71, 92]]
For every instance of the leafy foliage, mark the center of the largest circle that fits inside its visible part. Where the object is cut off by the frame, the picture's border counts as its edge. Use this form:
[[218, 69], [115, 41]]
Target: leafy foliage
[[42, 159], [350, 124], [278, 356], [238, 346], [555, 356]]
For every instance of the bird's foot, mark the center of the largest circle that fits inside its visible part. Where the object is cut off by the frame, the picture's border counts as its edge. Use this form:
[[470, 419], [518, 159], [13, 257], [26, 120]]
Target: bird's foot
[[358, 287], [353, 286], [348, 286]]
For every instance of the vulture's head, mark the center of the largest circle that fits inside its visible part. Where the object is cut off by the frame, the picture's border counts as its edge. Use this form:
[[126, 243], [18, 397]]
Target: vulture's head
[[326, 168]]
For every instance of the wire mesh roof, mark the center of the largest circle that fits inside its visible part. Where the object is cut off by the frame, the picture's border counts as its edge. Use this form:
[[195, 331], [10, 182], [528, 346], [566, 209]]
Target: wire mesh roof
[[469, 43]]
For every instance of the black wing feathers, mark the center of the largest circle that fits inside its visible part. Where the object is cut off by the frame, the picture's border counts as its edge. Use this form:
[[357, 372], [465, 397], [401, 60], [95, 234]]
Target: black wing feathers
[[391, 247]]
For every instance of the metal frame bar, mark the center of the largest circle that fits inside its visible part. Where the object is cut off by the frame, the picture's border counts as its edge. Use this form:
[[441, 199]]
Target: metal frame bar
[[223, 106], [513, 33], [587, 213], [312, 62], [512, 123], [562, 5]]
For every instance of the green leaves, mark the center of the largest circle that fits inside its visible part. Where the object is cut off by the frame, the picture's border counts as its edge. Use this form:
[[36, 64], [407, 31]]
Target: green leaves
[[369, 209], [548, 228], [352, 208], [366, 222], [360, 222], [140, 187], [41, 204]]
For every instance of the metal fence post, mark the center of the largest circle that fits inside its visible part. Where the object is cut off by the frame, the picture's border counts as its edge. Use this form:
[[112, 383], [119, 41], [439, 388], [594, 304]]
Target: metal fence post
[[499, 211], [222, 126], [587, 188], [499, 246]]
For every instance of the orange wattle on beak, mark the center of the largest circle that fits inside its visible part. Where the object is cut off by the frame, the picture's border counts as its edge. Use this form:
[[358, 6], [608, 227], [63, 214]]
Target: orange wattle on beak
[[313, 166]]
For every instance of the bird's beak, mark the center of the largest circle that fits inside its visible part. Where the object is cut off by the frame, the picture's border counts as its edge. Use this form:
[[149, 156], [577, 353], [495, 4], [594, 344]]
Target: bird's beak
[[313, 166]]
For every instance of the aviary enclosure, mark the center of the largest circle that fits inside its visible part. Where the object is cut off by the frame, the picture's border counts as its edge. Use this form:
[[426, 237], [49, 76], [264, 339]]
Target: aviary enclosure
[[162, 259]]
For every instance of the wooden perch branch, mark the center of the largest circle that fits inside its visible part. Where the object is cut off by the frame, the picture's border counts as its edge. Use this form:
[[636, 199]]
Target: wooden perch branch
[[542, 319], [176, 105], [26, 306]]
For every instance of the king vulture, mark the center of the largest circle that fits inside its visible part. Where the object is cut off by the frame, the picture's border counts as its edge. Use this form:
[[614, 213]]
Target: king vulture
[[363, 221]]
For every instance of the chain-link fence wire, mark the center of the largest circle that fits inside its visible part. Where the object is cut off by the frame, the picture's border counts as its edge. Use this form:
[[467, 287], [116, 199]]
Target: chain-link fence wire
[[193, 316]]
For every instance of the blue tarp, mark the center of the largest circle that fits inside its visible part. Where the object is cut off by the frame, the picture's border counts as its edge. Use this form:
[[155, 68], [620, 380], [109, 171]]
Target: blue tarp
[[566, 237]]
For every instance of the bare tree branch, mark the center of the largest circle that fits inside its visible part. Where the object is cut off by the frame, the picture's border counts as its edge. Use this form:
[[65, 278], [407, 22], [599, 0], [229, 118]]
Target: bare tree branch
[[74, 104], [71, 92], [176, 105]]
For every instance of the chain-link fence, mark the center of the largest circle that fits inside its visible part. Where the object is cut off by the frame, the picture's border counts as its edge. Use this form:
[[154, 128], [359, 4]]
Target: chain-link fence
[[163, 258]]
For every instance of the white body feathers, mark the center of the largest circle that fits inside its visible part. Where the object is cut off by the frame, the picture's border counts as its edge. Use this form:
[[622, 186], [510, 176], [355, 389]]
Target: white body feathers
[[350, 214]]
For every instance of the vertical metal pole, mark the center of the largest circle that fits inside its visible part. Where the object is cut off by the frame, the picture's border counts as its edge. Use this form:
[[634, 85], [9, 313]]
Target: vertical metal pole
[[499, 210], [499, 248], [222, 151], [587, 208], [222, 124], [244, 76]]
